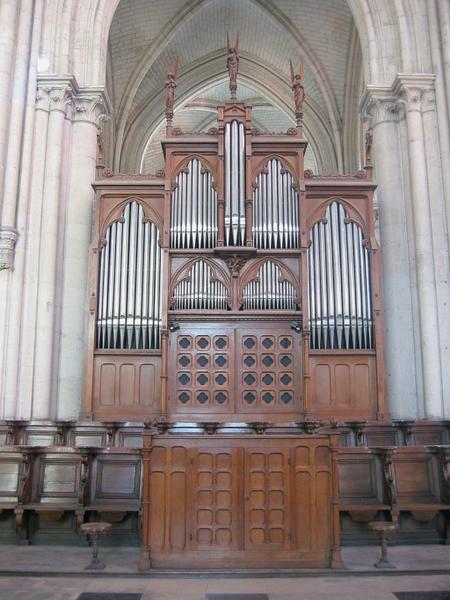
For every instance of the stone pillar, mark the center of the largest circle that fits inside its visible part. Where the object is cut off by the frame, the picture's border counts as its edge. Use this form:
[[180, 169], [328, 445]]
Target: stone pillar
[[9, 17], [90, 107], [438, 179], [411, 90], [52, 219], [381, 107], [24, 395], [14, 178]]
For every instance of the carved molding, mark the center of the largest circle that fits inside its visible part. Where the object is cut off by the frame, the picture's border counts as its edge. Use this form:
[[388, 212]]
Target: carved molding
[[381, 105], [55, 93], [409, 92], [81, 104], [415, 91], [91, 106], [8, 239]]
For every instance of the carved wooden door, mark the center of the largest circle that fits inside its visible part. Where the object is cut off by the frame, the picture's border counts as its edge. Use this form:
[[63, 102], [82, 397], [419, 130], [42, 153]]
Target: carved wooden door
[[215, 500], [267, 516]]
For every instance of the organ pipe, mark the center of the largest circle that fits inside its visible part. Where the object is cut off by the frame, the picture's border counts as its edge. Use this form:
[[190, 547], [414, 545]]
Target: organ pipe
[[340, 306], [200, 290], [129, 286], [193, 221], [234, 172], [275, 209], [269, 291]]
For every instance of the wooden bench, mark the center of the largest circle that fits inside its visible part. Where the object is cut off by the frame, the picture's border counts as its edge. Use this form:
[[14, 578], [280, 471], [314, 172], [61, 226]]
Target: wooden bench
[[15, 479], [361, 489], [417, 481], [115, 482], [59, 482]]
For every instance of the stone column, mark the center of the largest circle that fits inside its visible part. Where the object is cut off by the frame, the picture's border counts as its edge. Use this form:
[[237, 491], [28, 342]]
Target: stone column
[[14, 179], [381, 107], [9, 18], [27, 338], [411, 90], [45, 359], [90, 108]]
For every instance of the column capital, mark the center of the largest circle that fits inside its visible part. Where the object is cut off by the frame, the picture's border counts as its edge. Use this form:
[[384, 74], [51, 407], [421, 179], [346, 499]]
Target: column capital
[[55, 92], [8, 239], [91, 105], [408, 92], [415, 91], [380, 105]]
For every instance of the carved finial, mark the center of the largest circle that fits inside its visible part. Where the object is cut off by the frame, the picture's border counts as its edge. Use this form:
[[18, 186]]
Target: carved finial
[[171, 84], [298, 88], [233, 65]]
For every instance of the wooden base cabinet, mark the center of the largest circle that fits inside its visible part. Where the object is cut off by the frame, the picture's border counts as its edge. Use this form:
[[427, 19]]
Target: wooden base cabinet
[[240, 502]]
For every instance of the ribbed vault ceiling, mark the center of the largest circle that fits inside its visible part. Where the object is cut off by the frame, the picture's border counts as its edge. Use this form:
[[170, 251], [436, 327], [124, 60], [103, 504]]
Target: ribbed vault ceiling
[[146, 36]]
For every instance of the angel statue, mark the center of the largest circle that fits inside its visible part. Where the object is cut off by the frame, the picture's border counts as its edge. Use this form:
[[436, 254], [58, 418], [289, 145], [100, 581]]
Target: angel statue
[[299, 90], [233, 65], [171, 84]]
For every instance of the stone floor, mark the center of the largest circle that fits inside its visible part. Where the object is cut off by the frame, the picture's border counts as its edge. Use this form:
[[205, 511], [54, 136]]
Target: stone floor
[[56, 573]]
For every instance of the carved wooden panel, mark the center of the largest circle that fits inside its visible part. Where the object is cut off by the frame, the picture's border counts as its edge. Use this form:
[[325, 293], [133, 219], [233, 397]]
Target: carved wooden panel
[[253, 368], [238, 501], [126, 385], [215, 522], [360, 476], [269, 370], [116, 479], [312, 489], [56, 479], [169, 494], [343, 385], [9, 476], [416, 476], [203, 373], [267, 493]]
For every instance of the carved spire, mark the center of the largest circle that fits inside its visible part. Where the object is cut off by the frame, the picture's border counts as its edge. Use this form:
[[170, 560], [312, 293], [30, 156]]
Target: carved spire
[[298, 88], [233, 65], [171, 84]]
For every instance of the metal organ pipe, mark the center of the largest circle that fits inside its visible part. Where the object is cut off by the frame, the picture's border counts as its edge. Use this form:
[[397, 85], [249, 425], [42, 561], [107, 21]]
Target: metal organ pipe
[[275, 209], [129, 290], [200, 290], [193, 218], [234, 184], [269, 291], [339, 295]]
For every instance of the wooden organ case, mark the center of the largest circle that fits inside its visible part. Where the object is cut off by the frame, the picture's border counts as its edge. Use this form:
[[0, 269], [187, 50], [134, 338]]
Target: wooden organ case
[[238, 294]]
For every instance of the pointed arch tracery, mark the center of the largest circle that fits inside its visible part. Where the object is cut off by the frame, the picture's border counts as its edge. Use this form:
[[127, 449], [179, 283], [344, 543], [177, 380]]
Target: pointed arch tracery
[[200, 284], [269, 285]]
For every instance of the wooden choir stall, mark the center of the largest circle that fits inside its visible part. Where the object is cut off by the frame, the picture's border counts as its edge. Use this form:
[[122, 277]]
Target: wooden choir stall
[[235, 304]]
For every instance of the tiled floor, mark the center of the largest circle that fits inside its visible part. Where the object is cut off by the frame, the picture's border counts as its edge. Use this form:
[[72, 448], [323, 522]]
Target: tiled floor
[[419, 568], [320, 588]]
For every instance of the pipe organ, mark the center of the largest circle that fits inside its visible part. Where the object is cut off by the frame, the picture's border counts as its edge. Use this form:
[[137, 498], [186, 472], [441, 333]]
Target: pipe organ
[[237, 287], [236, 294]]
